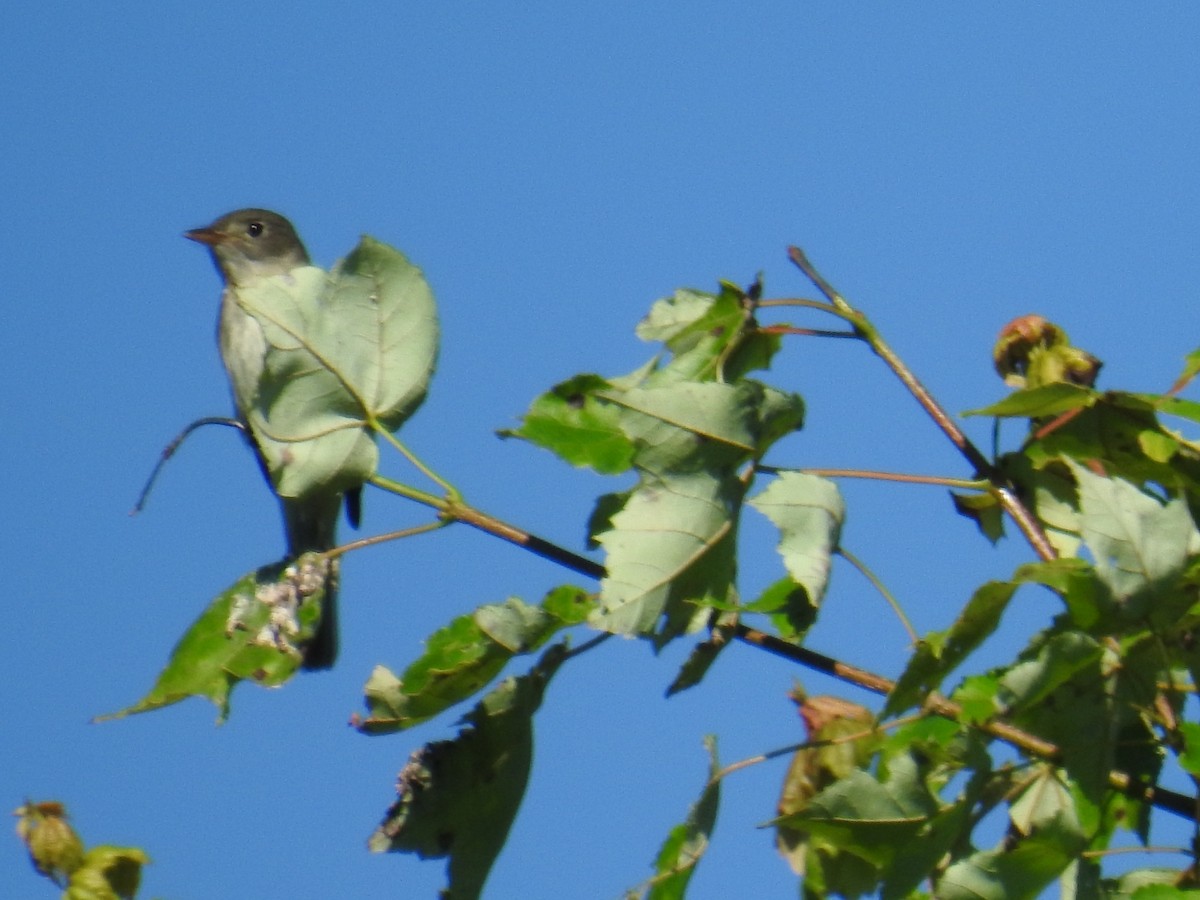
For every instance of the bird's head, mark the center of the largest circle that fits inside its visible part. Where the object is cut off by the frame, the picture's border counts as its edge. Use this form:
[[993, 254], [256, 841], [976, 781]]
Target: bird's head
[[251, 243]]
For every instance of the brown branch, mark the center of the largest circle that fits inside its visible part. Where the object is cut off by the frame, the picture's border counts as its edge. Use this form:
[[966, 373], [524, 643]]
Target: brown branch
[[1171, 801], [534, 544], [1164, 799], [805, 332]]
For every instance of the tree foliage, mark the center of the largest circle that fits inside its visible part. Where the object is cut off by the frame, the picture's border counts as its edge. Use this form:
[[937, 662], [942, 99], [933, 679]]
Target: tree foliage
[[1067, 745]]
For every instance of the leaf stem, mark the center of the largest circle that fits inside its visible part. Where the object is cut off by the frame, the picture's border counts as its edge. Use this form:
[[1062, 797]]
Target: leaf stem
[[887, 595], [803, 302], [966, 484], [414, 459], [410, 493]]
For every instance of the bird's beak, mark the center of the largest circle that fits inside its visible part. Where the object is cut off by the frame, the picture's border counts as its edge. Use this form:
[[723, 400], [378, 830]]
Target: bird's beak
[[209, 236]]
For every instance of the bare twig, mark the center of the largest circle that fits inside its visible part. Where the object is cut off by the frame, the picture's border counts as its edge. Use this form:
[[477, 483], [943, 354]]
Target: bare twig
[[170, 449], [534, 544], [1004, 493], [384, 538]]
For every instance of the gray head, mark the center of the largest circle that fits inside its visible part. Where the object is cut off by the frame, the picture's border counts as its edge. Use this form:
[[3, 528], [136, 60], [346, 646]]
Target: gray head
[[251, 243]]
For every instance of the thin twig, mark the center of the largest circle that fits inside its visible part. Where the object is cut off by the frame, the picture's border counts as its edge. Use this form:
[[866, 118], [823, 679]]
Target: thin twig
[[455, 510], [588, 645], [811, 745], [384, 538], [806, 332], [887, 595], [173, 446], [965, 484], [1137, 848], [543, 548], [1008, 500]]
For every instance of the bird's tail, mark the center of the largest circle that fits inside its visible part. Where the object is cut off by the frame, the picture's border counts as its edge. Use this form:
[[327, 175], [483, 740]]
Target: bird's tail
[[311, 526]]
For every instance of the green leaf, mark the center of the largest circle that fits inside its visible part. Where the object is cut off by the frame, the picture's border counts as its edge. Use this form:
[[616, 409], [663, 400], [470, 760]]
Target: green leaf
[[703, 655], [1177, 406], [389, 354], [460, 659], [1046, 801], [935, 658], [1050, 663], [670, 544], [1016, 873], [569, 604], [1165, 889], [809, 512], [945, 831], [1087, 599], [571, 422], [1048, 489], [1189, 758], [864, 817], [252, 631], [1121, 433], [984, 510], [684, 319], [1064, 690], [1138, 752], [686, 844], [344, 350], [841, 741], [1034, 403], [711, 336], [458, 798], [1138, 542], [688, 425], [1145, 884], [787, 603], [978, 696], [1158, 445]]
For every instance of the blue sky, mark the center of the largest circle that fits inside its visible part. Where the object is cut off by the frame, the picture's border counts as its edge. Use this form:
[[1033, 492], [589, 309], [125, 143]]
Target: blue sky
[[554, 168]]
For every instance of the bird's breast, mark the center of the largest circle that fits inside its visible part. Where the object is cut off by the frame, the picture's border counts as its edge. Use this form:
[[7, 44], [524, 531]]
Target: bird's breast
[[243, 351]]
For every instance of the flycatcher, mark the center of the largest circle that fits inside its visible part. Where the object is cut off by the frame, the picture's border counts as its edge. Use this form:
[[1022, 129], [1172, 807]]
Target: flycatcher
[[247, 245]]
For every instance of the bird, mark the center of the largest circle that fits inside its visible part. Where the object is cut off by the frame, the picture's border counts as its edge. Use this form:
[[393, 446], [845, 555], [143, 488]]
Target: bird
[[247, 245]]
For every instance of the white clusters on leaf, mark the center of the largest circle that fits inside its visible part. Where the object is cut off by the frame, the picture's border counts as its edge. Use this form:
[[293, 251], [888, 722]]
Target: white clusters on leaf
[[282, 598], [415, 776]]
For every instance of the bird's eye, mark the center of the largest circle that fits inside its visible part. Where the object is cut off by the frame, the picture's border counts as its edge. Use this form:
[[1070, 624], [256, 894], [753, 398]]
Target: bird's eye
[[254, 229]]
